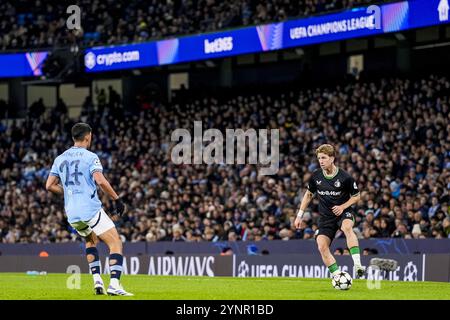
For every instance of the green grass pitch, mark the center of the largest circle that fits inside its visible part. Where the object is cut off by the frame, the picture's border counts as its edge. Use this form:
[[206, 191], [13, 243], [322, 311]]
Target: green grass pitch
[[54, 286]]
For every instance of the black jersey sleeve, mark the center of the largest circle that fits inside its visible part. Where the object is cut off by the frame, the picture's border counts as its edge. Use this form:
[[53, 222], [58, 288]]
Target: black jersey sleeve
[[351, 186], [311, 186]]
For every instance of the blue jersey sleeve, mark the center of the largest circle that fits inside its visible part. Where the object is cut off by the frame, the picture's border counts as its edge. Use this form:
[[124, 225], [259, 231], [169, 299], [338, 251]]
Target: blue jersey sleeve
[[95, 165], [54, 169]]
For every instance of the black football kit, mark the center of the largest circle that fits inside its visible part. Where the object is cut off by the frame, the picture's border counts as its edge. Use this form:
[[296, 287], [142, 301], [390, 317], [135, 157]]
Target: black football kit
[[332, 191]]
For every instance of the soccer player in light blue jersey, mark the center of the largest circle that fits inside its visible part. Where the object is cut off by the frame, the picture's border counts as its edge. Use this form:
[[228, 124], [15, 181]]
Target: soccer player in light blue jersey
[[75, 174]]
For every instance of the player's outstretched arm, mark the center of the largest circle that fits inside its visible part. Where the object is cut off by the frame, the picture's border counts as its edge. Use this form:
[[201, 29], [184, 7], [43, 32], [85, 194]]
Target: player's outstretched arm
[[304, 204], [108, 189], [53, 185]]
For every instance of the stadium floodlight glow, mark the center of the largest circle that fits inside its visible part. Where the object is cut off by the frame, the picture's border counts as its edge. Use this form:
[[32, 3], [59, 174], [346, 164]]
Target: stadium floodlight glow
[[354, 23]]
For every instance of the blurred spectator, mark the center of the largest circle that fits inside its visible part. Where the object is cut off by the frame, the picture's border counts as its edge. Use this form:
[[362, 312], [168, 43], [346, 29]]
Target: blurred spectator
[[369, 251], [87, 109], [4, 109], [392, 130], [61, 108], [101, 101], [177, 234], [446, 226], [36, 109], [37, 23], [227, 251]]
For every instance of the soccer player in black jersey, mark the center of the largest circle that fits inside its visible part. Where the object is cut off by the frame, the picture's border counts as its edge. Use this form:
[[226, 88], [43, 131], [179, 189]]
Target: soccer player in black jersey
[[337, 192]]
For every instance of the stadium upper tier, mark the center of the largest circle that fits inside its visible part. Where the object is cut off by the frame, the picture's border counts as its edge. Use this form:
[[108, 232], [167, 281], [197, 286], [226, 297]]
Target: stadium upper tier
[[34, 24]]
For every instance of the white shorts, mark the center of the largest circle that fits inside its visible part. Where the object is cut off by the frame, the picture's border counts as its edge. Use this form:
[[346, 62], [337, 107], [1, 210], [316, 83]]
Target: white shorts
[[100, 223]]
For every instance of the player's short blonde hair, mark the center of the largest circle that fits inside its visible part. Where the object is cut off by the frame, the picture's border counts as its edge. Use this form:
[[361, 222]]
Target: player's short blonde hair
[[327, 149]]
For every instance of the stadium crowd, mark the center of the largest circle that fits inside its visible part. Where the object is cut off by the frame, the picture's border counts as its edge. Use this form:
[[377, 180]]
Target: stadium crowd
[[392, 137], [38, 24]]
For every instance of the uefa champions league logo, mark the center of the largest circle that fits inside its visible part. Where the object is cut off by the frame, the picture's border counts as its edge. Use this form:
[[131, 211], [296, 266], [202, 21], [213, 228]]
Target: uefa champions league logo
[[243, 269], [89, 60], [410, 272]]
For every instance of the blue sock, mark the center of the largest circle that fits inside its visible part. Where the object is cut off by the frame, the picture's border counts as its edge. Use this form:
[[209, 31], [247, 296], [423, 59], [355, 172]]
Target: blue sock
[[116, 268], [95, 264]]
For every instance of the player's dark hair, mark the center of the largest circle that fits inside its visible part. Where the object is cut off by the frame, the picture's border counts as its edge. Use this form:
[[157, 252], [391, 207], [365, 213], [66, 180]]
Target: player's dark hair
[[80, 130]]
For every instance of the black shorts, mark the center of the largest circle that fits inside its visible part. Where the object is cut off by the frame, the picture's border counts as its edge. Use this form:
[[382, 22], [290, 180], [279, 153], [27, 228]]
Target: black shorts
[[328, 226]]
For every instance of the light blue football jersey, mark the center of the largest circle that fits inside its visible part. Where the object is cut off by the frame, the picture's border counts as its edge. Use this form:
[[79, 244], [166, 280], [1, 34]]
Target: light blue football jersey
[[75, 168]]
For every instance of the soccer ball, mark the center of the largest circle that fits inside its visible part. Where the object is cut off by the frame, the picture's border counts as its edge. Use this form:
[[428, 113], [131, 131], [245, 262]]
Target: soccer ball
[[342, 281]]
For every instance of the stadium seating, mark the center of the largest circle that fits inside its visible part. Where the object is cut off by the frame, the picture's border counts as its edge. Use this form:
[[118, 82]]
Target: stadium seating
[[41, 24], [392, 136]]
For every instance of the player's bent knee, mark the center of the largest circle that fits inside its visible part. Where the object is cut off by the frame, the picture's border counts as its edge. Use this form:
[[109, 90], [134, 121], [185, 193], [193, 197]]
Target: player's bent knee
[[347, 229]]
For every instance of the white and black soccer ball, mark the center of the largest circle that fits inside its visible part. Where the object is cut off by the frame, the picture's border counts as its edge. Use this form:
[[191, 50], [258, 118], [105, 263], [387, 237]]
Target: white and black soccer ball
[[342, 281]]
